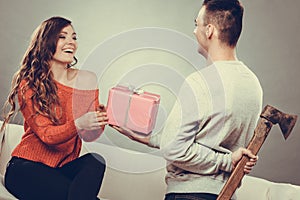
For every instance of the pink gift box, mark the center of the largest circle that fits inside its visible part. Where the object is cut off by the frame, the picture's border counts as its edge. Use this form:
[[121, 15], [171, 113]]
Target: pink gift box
[[133, 109]]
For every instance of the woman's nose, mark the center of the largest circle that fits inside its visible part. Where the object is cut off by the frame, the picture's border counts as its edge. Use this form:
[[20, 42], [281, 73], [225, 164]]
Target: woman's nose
[[71, 41]]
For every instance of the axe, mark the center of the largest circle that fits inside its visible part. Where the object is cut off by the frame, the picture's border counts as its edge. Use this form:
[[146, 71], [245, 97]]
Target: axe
[[268, 118]]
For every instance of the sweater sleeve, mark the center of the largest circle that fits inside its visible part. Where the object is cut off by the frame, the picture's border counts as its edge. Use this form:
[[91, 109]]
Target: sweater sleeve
[[184, 124], [42, 126]]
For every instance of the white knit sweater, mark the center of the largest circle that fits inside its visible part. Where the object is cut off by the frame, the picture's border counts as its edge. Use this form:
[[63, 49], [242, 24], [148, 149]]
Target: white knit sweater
[[215, 113]]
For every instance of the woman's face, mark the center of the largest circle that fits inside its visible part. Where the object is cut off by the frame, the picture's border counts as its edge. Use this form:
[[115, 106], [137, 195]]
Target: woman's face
[[66, 46]]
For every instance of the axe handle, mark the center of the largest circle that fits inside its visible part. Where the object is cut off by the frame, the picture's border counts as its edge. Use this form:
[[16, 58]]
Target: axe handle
[[260, 134]]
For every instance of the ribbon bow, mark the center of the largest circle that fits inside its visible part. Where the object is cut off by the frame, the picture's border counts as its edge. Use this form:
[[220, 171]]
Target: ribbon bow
[[133, 89]]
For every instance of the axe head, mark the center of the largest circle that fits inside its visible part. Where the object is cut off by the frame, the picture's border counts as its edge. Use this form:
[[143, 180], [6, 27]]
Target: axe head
[[286, 121]]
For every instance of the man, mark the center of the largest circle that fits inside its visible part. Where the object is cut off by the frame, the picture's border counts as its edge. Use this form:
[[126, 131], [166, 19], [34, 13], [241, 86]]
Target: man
[[216, 112]]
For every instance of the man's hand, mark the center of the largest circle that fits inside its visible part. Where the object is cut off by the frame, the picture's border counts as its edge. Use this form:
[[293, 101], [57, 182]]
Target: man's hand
[[237, 156], [132, 135]]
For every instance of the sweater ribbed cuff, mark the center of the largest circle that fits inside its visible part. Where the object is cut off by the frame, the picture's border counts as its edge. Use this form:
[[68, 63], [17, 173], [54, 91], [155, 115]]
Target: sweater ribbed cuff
[[226, 163], [154, 140]]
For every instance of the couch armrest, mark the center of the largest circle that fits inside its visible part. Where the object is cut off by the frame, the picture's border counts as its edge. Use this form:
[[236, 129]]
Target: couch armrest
[[12, 136], [258, 188]]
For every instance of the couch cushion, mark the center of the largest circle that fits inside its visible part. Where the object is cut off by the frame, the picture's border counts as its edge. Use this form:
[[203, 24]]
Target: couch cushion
[[130, 175], [253, 188]]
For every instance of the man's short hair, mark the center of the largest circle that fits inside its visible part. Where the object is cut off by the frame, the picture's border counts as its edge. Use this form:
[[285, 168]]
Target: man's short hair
[[227, 16]]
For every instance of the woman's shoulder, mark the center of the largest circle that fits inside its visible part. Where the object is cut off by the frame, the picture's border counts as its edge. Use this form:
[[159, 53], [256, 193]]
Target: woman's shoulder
[[86, 80], [24, 86]]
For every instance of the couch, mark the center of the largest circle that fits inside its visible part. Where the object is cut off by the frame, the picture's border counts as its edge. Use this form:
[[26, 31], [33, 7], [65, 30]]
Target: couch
[[124, 184]]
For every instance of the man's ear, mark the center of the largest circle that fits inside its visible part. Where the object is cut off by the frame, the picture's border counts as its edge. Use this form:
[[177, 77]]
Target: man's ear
[[209, 31]]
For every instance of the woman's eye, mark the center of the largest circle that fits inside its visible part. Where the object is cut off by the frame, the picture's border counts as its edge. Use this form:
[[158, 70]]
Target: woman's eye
[[64, 37]]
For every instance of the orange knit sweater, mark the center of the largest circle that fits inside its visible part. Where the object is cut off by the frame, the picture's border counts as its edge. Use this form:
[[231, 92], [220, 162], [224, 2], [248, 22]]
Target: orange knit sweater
[[56, 145]]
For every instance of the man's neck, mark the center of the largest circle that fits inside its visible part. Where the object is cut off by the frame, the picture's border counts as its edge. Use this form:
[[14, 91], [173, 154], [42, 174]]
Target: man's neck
[[221, 53]]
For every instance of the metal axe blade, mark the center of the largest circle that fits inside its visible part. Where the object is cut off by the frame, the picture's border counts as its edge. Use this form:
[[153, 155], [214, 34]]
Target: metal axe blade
[[285, 121], [287, 124]]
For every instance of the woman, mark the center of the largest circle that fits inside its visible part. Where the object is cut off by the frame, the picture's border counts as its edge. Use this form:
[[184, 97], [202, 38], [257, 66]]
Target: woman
[[57, 113]]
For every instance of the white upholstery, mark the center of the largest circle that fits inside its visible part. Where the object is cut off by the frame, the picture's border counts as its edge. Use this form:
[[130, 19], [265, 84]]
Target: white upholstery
[[257, 188], [121, 185], [4, 194], [117, 185], [12, 136], [6, 146]]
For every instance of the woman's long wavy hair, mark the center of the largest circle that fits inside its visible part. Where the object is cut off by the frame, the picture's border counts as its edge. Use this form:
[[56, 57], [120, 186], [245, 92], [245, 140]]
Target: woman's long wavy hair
[[35, 69]]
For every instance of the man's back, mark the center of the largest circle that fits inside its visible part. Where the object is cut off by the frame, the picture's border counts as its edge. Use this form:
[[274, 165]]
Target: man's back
[[235, 102], [217, 119]]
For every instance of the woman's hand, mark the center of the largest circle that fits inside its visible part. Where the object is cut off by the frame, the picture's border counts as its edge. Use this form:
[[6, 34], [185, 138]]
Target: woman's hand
[[132, 135], [92, 120], [237, 156]]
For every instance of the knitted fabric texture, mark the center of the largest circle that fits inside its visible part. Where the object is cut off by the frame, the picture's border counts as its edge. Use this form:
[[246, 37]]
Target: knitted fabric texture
[[55, 145]]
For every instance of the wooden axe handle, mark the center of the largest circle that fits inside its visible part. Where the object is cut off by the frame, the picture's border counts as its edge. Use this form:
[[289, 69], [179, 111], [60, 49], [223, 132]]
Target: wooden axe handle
[[260, 135]]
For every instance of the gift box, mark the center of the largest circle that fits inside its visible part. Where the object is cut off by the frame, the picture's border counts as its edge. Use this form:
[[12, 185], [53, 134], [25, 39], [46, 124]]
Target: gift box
[[134, 109]]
